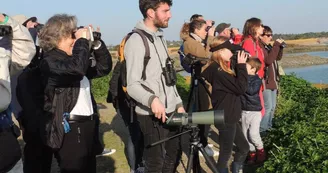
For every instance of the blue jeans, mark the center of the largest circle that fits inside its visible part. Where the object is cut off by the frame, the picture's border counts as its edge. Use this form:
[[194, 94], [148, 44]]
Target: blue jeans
[[270, 100], [134, 141]]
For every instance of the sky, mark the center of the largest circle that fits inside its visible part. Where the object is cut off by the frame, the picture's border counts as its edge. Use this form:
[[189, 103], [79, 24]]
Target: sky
[[117, 18]]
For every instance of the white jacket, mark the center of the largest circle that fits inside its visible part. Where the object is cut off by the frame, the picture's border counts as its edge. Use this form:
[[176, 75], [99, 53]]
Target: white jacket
[[15, 54]]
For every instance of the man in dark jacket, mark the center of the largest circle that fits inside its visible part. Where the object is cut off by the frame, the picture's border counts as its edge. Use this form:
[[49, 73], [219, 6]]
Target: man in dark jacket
[[251, 111]]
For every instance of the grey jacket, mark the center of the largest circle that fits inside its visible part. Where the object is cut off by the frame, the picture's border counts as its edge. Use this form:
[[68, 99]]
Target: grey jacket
[[138, 89]]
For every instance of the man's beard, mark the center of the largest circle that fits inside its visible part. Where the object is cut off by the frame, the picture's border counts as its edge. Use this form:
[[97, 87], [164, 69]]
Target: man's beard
[[161, 23]]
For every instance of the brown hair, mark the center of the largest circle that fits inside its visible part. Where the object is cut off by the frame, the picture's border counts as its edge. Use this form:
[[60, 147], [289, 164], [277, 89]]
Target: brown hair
[[145, 5], [254, 62], [266, 29], [188, 28], [250, 27], [217, 56], [57, 27]]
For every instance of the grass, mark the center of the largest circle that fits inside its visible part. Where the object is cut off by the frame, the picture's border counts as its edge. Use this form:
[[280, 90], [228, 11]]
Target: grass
[[308, 41], [113, 133]]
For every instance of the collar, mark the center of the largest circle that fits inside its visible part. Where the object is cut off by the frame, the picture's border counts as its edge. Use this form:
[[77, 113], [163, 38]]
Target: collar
[[196, 37]]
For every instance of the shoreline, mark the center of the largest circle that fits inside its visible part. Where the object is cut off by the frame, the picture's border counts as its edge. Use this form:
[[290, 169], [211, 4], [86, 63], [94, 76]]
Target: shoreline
[[302, 60]]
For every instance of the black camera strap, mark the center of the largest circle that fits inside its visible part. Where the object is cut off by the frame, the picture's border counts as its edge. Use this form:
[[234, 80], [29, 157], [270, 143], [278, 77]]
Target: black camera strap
[[160, 61]]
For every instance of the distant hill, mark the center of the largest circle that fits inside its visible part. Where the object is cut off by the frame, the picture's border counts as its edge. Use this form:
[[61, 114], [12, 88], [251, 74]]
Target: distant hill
[[301, 36], [309, 38]]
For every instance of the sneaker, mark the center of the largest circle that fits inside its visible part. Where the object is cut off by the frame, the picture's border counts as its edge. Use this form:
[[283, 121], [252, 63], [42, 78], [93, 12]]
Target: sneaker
[[261, 155], [107, 152], [251, 158], [210, 152]]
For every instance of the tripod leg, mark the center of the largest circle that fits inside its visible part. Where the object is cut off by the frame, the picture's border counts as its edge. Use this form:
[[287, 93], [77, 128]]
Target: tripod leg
[[208, 160], [190, 97], [196, 163], [190, 158]]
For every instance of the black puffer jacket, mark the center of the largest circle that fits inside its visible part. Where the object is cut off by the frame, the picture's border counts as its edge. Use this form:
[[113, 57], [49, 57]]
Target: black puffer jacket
[[250, 101], [61, 75]]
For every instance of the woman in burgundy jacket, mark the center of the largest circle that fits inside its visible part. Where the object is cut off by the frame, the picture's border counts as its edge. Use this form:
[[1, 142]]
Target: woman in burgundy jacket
[[271, 75]]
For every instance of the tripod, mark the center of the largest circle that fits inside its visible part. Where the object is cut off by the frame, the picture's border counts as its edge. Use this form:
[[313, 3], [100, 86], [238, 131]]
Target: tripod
[[195, 146], [193, 130], [193, 105]]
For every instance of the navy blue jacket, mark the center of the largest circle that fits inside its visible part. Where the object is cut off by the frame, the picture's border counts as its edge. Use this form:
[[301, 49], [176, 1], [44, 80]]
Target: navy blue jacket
[[250, 101]]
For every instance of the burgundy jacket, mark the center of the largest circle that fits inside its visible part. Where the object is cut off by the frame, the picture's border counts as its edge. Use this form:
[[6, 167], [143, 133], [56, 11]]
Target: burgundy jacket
[[271, 76]]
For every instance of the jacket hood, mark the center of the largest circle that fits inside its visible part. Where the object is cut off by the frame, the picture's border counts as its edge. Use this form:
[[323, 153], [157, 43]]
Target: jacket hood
[[184, 36], [141, 25]]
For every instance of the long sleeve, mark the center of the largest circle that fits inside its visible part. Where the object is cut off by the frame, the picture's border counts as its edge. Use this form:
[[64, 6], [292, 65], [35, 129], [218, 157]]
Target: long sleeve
[[195, 48], [254, 86], [134, 53], [65, 70], [273, 54], [23, 48], [249, 46], [237, 39], [103, 63], [234, 84]]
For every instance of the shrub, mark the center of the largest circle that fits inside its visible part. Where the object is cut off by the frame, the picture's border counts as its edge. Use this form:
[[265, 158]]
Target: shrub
[[298, 141]]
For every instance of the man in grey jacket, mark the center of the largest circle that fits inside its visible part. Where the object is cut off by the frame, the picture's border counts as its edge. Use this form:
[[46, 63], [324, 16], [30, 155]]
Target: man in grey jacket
[[155, 99]]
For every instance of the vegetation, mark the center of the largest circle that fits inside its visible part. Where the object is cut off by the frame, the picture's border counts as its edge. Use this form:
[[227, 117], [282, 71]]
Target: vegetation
[[301, 36], [294, 48], [298, 142], [100, 88]]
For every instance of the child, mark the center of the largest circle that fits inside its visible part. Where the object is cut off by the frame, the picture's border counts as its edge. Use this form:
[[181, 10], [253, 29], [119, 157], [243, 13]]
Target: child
[[251, 112]]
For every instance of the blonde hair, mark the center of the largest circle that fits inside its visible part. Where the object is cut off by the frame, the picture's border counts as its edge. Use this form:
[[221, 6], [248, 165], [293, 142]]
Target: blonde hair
[[217, 55], [57, 27]]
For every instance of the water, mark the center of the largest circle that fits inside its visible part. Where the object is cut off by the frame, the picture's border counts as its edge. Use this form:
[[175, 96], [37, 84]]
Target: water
[[313, 74], [323, 54]]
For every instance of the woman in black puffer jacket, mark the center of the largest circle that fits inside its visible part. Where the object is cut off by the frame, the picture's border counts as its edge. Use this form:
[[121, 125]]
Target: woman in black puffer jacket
[[69, 125]]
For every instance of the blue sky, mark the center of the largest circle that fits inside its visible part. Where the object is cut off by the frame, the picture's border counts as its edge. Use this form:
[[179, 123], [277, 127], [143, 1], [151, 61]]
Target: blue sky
[[116, 18]]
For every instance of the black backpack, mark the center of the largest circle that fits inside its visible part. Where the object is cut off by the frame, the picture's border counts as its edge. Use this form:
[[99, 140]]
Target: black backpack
[[117, 93], [30, 92]]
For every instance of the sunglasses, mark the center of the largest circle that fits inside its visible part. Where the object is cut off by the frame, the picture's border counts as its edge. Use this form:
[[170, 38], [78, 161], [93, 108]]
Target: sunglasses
[[268, 35]]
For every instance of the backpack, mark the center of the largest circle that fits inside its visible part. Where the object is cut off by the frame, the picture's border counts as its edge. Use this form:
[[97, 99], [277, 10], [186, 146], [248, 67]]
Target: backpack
[[184, 66], [29, 91], [117, 93]]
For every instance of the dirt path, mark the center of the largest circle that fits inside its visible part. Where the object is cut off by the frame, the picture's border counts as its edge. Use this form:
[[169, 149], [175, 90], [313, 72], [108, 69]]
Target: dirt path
[[114, 134]]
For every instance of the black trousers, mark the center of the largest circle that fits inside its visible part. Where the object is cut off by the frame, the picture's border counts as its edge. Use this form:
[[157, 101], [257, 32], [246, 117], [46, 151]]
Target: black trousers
[[162, 157], [77, 154], [10, 151], [203, 134], [229, 134], [37, 156]]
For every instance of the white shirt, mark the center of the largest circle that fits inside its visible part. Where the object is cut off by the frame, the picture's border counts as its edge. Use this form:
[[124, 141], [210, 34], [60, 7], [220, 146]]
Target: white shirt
[[83, 106]]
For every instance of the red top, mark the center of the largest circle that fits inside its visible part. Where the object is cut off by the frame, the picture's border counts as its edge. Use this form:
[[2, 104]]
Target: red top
[[237, 39], [255, 50]]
